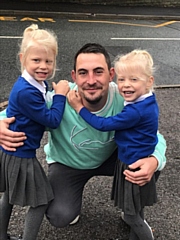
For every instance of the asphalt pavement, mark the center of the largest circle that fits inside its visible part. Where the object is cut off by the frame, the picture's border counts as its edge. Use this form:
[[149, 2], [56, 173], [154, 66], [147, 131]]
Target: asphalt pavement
[[88, 10], [99, 219]]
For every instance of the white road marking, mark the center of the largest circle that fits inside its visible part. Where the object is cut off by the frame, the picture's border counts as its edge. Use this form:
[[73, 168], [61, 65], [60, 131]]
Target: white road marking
[[147, 39], [9, 37]]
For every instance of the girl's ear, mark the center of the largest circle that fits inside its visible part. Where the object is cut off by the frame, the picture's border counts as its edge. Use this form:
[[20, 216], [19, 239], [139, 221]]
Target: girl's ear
[[150, 82], [20, 57]]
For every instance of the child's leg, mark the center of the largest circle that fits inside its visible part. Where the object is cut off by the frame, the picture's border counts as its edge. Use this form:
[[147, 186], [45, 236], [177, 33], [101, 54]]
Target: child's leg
[[33, 222], [139, 228], [5, 214], [133, 235]]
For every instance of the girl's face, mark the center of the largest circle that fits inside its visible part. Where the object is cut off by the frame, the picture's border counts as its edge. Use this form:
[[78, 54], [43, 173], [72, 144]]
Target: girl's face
[[133, 84], [39, 63]]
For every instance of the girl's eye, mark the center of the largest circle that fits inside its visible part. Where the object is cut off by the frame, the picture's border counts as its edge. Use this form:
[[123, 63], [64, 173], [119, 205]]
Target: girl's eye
[[36, 60], [120, 79], [49, 62], [134, 79]]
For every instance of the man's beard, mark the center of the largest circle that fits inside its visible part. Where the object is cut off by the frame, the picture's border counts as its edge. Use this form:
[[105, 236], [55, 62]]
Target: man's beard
[[93, 101]]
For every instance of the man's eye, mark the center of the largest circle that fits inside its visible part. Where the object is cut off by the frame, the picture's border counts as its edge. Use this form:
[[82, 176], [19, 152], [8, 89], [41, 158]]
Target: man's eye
[[82, 73], [99, 72]]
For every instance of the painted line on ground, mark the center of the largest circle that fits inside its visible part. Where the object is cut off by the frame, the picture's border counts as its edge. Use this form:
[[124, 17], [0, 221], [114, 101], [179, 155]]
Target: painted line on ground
[[147, 39], [125, 23], [9, 37]]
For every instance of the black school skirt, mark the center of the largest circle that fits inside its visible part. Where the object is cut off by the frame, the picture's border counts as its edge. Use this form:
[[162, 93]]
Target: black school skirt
[[24, 180], [131, 198]]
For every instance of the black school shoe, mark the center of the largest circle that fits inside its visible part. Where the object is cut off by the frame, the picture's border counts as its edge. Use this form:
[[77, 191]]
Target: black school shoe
[[13, 238]]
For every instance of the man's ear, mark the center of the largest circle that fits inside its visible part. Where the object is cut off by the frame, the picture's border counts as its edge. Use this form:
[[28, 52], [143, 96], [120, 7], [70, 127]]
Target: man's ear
[[112, 74], [73, 75]]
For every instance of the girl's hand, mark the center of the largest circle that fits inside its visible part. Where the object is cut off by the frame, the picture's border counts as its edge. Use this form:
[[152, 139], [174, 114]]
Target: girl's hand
[[75, 100], [62, 87]]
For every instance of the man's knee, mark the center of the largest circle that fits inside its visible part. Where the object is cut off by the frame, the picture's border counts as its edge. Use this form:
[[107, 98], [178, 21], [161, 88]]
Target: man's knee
[[60, 218]]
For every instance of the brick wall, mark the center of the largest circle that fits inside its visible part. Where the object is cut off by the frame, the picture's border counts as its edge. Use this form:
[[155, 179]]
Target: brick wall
[[159, 3]]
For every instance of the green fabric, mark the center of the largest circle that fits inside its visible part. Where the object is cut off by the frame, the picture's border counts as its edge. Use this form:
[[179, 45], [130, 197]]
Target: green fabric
[[3, 114]]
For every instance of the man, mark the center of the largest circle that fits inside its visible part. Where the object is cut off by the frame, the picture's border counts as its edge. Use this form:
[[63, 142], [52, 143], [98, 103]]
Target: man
[[75, 151]]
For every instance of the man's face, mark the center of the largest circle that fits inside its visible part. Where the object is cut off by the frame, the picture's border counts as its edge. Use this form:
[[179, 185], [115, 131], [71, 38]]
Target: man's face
[[92, 77]]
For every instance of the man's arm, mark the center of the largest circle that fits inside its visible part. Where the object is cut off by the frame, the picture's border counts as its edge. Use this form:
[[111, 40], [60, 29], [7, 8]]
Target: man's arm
[[10, 140], [149, 165]]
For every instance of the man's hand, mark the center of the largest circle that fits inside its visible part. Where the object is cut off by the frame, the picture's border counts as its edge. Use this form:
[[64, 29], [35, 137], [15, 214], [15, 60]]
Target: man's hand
[[147, 168], [10, 140]]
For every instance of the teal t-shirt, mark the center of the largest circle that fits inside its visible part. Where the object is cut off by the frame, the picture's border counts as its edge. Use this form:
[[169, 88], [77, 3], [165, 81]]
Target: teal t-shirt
[[75, 143], [3, 114]]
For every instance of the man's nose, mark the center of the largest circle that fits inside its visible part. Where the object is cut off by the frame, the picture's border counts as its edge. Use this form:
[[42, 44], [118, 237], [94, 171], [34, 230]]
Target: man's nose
[[91, 78]]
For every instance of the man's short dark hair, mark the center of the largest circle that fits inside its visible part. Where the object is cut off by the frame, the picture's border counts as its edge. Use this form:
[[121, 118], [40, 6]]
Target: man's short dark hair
[[93, 48]]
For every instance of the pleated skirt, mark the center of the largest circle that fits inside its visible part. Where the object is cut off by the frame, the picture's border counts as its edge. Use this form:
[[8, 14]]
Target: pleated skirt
[[131, 198], [25, 181]]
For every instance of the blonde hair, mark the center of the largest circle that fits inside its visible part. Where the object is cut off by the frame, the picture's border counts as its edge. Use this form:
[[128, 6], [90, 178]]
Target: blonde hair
[[136, 59], [33, 35]]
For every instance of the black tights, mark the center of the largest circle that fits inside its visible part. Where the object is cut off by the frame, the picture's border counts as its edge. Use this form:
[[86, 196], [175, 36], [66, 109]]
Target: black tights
[[33, 219], [140, 230]]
